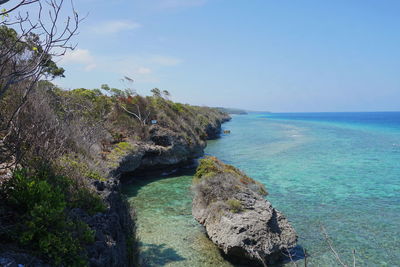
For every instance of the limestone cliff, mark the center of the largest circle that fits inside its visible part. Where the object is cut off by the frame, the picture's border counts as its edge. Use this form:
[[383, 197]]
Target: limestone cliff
[[236, 216], [101, 143]]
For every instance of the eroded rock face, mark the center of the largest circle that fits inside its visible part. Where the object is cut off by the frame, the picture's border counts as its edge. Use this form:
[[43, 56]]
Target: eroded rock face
[[114, 229], [167, 148], [237, 217], [170, 148]]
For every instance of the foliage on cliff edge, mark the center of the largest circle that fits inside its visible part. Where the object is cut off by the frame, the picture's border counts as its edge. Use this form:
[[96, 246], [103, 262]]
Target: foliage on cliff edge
[[219, 183]]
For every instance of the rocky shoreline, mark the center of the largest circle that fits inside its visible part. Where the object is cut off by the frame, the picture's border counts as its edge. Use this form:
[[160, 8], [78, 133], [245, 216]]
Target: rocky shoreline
[[115, 228], [237, 217], [167, 150], [230, 205]]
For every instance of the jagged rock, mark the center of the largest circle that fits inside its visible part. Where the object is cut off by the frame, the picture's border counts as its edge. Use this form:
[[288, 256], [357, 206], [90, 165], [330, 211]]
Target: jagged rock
[[167, 148], [236, 216], [114, 229]]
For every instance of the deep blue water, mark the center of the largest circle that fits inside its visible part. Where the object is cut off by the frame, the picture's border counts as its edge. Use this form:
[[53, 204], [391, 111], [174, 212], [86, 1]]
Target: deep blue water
[[388, 120], [336, 170]]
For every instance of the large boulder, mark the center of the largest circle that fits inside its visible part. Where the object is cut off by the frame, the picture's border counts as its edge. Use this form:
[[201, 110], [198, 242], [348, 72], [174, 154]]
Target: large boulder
[[237, 217]]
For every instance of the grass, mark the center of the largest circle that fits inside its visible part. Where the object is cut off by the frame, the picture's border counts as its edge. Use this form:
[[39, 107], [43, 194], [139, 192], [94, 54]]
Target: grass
[[234, 205], [211, 166], [120, 150]]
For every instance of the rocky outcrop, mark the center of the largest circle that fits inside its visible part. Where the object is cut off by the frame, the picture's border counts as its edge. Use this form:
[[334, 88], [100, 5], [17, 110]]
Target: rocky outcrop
[[114, 229], [170, 148], [167, 148], [213, 129], [236, 216]]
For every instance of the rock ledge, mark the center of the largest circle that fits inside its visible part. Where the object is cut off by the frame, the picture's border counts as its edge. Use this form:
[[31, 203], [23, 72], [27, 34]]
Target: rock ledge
[[237, 218]]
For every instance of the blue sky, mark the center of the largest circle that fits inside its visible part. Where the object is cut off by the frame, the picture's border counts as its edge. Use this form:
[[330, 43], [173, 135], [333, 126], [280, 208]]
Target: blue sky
[[282, 56]]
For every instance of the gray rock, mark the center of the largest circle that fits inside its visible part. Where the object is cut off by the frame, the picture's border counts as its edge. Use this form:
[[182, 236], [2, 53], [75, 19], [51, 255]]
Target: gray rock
[[239, 220], [115, 228], [166, 148]]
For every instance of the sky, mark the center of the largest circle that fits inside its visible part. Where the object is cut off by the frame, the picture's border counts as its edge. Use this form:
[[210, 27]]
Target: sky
[[279, 56]]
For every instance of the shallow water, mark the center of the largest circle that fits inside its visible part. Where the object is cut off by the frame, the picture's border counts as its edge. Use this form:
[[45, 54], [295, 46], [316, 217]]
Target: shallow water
[[341, 171], [168, 235]]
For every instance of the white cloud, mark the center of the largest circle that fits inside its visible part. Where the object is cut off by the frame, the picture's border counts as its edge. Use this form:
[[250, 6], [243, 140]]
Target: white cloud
[[80, 56], [141, 67], [115, 26], [143, 70]]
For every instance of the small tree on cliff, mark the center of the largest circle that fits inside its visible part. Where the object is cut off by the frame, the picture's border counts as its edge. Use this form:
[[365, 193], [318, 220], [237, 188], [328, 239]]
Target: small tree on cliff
[[130, 102], [156, 92], [166, 94]]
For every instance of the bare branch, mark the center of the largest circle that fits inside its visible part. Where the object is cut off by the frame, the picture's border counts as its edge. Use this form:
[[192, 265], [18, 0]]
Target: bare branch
[[22, 3], [29, 42], [330, 244]]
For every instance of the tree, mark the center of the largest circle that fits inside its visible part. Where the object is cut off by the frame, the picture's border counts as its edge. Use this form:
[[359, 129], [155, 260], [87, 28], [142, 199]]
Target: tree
[[28, 54], [166, 94], [156, 92], [4, 12], [130, 102], [134, 104], [29, 43]]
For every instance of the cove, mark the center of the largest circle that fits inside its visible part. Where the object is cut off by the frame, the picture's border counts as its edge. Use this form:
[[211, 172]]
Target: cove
[[342, 174], [167, 233]]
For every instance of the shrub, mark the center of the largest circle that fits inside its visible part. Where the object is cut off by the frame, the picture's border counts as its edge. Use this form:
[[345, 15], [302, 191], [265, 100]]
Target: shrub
[[234, 205], [207, 167], [76, 167], [120, 150], [211, 166], [40, 204], [86, 200], [178, 107]]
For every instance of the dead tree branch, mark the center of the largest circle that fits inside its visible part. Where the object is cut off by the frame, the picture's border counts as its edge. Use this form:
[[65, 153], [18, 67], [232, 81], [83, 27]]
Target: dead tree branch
[[29, 42]]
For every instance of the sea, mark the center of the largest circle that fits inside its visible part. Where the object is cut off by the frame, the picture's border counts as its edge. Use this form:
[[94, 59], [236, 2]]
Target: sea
[[335, 176]]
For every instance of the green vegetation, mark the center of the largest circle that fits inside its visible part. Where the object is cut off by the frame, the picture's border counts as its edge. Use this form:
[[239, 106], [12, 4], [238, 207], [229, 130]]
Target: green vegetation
[[234, 205], [80, 135], [72, 164], [120, 150], [233, 110], [219, 184], [210, 166], [9, 39], [178, 107], [39, 204]]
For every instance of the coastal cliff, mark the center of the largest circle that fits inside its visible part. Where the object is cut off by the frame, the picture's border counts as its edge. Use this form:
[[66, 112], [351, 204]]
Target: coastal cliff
[[165, 148], [103, 142], [236, 216]]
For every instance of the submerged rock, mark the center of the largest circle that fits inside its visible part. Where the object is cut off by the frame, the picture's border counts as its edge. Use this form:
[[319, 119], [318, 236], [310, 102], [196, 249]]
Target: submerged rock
[[236, 216]]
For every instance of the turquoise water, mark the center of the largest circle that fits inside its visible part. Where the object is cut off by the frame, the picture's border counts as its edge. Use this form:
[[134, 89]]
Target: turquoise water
[[339, 170]]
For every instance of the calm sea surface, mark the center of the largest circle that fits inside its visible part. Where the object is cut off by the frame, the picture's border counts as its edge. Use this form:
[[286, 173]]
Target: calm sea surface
[[338, 170]]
